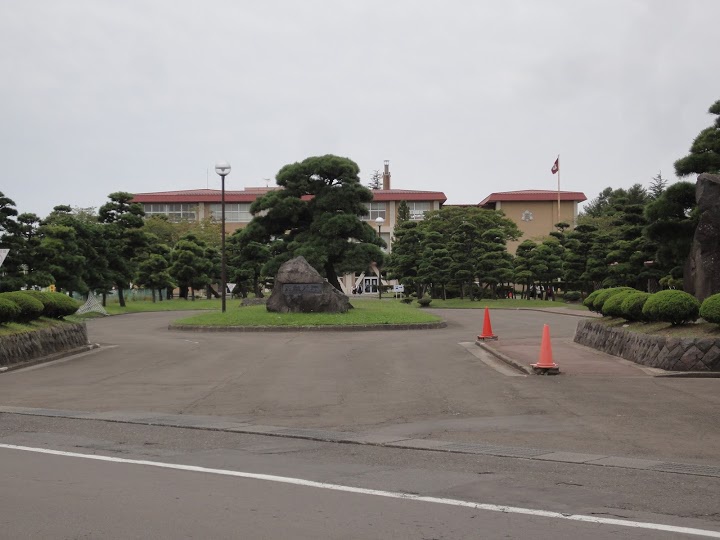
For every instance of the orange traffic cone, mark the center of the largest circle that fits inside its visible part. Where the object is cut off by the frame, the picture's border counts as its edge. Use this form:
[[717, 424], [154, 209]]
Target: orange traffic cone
[[545, 363], [487, 332]]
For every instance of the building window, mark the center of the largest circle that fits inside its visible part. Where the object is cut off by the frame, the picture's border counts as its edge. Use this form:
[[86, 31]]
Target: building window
[[234, 212], [174, 212], [418, 209], [376, 210]]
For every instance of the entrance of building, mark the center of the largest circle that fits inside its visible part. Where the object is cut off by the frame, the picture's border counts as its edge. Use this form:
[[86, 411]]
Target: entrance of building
[[370, 284]]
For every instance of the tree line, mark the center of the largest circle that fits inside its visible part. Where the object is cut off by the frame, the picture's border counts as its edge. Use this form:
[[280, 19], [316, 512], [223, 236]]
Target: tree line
[[637, 237]]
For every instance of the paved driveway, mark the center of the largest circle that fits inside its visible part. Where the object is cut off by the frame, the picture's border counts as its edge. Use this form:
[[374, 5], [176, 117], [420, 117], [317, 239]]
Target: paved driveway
[[413, 383]]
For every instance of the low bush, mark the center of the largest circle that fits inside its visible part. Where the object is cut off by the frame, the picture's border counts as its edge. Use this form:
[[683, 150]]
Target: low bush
[[572, 296], [406, 300], [601, 298], [675, 307], [710, 309], [632, 306], [588, 302], [55, 305], [613, 305], [30, 308], [9, 311], [61, 305], [424, 301]]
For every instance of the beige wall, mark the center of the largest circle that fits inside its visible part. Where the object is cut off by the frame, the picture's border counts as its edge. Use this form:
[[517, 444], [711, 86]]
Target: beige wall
[[544, 218]]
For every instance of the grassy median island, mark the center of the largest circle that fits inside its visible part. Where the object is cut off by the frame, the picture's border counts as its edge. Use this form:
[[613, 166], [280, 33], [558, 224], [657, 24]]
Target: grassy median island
[[364, 313]]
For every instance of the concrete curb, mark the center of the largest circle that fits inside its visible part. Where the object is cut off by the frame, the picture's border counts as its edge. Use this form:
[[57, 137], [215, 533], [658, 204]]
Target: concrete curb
[[584, 314], [50, 358], [328, 328], [244, 426], [500, 356]]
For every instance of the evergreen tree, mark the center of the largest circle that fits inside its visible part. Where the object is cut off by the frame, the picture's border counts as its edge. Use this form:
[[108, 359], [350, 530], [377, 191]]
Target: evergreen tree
[[404, 261], [705, 150], [657, 186], [191, 265], [124, 237], [403, 212], [317, 215], [375, 180], [523, 267], [672, 219]]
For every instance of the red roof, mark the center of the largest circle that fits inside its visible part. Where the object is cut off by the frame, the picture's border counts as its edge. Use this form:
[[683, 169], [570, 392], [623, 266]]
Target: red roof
[[533, 195], [250, 194], [199, 195], [407, 195]]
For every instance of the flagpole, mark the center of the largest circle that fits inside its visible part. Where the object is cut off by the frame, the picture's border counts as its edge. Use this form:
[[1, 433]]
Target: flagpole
[[558, 160]]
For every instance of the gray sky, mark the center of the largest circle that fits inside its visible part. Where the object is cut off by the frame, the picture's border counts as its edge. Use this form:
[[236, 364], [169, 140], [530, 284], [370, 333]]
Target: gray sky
[[466, 97]]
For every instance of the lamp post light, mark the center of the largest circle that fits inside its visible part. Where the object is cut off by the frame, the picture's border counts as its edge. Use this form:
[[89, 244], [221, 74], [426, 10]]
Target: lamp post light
[[379, 220], [223, 169]]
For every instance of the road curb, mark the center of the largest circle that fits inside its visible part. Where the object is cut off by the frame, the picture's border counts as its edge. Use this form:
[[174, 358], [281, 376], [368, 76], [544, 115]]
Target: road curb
[[328, 328], [50, 358], [500, 356], [230, 425]]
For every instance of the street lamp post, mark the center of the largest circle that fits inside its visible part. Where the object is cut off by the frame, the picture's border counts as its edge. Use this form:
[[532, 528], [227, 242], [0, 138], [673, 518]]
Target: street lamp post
[[223, 169], [379, 220]]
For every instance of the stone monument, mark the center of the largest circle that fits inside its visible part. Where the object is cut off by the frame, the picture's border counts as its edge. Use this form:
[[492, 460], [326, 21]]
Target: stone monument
[[299, 288], [702, 269]]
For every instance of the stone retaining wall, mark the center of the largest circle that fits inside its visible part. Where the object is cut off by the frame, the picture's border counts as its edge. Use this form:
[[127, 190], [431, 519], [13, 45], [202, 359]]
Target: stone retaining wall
[[672, 354], [19, 348]]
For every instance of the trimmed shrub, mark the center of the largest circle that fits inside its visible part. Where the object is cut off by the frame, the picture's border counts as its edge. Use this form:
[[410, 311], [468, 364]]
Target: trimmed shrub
[[613, 305], [588, 302], [710, 309], [9, 311], [424, 301], [30, 308], [55, 305], [60, 305], [605, 294], [406, 300], [632, 306], [675, 307], [572, 296]]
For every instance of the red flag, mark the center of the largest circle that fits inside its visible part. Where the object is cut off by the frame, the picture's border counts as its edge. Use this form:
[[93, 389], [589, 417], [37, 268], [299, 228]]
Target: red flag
[[556, 166]]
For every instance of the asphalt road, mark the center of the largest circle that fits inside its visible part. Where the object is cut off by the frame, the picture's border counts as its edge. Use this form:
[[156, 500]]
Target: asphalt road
[[420, 384]]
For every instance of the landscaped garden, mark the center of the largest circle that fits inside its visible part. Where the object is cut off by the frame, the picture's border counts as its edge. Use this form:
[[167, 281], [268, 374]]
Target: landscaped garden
[[363, 313]]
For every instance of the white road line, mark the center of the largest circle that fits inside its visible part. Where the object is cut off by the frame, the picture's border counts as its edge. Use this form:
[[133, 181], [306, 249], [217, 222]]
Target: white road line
[[379, 493]]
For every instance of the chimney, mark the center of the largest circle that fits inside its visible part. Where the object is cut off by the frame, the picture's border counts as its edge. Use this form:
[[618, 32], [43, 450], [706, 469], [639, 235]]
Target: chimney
[[386, 175]]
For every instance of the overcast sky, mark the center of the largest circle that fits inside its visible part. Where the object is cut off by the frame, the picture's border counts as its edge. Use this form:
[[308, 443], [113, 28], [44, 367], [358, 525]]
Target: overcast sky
[[465, 97]]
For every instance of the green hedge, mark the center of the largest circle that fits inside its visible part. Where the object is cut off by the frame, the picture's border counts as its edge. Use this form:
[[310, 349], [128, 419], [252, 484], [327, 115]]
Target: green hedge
[[710, 309], [604, 294], [9, 311], [30, 308], [588, 302], [675, 307], [424, 301], [632, 306], [613, 305], [572, 296], [55, 305]]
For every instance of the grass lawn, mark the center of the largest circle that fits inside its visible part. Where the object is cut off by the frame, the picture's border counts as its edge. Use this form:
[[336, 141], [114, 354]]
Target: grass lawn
[[363, 313], [141, 306], [692, 330], [504, 303], [17, 328]]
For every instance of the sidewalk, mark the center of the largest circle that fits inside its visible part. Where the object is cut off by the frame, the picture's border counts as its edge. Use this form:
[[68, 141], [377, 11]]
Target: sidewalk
[[573, 359]]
